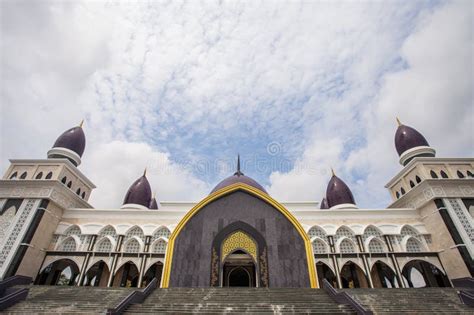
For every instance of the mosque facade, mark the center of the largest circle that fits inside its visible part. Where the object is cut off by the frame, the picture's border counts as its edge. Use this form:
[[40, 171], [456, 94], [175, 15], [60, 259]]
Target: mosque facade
[[238, 235]]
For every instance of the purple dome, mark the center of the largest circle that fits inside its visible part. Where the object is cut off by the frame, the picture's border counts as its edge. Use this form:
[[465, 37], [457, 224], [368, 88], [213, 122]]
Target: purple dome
[[72, 139], [139, 193], [238, 178], [153, 204], [324, 204], [338, 193], [407, 138]]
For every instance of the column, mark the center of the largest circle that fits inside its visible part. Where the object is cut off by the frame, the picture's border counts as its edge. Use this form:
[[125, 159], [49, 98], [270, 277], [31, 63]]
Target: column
[[398, 273], [334, 261], [364, 259]]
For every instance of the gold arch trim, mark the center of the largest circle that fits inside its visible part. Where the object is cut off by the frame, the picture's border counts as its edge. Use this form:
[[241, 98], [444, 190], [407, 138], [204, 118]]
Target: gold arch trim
[[239, 240], [253, 191]]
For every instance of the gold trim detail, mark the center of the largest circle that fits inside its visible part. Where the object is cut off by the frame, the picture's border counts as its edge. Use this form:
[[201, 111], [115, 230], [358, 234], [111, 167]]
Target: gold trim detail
[[253, 191], [238, 240]]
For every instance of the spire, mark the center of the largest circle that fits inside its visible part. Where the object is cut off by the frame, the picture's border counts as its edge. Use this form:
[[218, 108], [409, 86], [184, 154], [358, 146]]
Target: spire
[[144, 172], [238, 173], [82, 123], [332, 172], [398, 121]]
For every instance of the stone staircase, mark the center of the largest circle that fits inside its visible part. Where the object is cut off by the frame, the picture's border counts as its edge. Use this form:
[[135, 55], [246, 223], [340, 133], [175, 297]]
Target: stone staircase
[[67, 300], [238, 301], [411, 301]]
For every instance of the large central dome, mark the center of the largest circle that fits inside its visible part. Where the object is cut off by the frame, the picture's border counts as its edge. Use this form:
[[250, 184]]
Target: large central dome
[[238, 177]]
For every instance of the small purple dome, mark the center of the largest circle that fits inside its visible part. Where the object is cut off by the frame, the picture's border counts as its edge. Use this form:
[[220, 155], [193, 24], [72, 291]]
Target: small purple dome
[[238, 178], [324, 204], [338, 193], [72, 139], [407, 138], [139, 193], [153, 204]]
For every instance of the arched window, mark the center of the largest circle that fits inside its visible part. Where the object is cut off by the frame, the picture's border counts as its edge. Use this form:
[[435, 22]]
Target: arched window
[[39, 175], [443, 174], [83, 195], [345, 232], [408, 230], [49, 175], [64, 180], [402, 190], [78, 191], [104, 246], [470, 174], [346, 246], [376, 246], [319, 247], [316, 231], [161, 232], [460, 174], [413, 245], [433, 174], [371, 231], [397, 194], [412, 184], [418, 179], [14, 175], [160, 247], [132, 246], [135, 231], [69, 245], [23, 176], [69, 184], [73, 230], [108, 230]]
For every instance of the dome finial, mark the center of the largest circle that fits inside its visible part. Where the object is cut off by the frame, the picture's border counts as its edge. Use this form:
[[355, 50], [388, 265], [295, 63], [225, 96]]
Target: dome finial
[[332, 172], [82, 123], [238, 173], [398, 121], [144, 172]]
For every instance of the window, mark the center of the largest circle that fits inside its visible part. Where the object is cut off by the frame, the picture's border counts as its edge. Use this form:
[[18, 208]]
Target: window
[[402, 190], [413, 246], [23, 176], [398, 194], [132, 246], [73, 230], [433, 174], [108, 230], [470, 174], [64, 180], [78, 191], [160, 247], [460, 174], [412, 184], [83, 195], [345, 232], [69, 184], [39, 175], [443, 174], [69, 245], [161, 232], [418, 179], [346, 246], [104, 246], [14, 175], [376, 246], [49, 175], [319, 247]]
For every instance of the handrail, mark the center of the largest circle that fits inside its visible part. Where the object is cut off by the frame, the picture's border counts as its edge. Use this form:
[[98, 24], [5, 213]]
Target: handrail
[[466, 282], [344, 298], [466, 297], [12, 281], [13, 298], [136, 296]]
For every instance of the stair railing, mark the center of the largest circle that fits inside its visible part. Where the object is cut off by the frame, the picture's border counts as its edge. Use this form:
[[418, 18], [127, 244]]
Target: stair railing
[[466, 297], [466, 282], [134, 297], [344, 298], [16, 295]]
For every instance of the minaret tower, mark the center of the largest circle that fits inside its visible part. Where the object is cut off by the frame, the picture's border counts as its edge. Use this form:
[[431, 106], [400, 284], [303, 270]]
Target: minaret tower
[[442, 190], [33, 196]]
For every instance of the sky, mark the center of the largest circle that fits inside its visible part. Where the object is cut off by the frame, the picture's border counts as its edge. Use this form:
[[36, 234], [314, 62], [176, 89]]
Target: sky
[[182, 87]]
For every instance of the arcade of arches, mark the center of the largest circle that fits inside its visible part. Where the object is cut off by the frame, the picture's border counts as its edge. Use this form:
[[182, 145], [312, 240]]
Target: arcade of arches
[[415, 274], [66, 272]]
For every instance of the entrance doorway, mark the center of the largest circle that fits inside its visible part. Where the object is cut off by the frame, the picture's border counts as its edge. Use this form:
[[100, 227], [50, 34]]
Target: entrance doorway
[[239, 270]]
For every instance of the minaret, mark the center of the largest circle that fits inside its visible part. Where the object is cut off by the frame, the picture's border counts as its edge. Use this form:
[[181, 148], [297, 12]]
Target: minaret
[[69, 145], [410, 144]]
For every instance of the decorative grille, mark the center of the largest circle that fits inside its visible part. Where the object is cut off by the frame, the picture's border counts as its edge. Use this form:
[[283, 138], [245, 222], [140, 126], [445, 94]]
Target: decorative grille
[[160, 247], [376, 246], [68, 245], [319, 247], [104, 246], [346, 246], [132, 246], [413, 246], [463, 218], [162, 232]]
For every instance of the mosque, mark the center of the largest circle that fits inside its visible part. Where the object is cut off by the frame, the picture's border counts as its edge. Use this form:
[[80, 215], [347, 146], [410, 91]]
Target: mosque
[[238, 235]]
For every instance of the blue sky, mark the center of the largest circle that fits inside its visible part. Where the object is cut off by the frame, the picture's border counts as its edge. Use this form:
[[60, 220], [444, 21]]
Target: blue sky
[[182, 87]]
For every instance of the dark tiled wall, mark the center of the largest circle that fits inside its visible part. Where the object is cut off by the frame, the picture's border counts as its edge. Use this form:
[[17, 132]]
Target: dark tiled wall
[[287, 265]]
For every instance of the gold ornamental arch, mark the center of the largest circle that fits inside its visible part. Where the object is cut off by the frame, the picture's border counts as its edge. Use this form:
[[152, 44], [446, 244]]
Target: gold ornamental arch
[[255, 192]]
